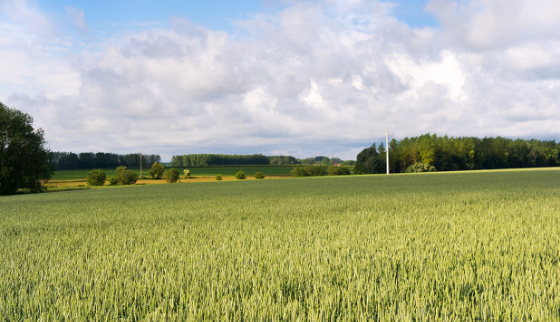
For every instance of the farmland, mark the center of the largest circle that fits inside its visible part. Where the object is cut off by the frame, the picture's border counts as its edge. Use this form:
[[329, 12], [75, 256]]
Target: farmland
[[196, 171], [442, 246]]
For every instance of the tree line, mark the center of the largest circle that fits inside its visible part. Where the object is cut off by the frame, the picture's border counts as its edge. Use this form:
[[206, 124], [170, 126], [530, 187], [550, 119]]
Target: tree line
[[195, 160], [90, 160], [445, 153]]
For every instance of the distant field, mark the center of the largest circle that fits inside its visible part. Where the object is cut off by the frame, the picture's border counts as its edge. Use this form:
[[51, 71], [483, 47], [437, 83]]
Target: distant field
[[195, 171], [425, 247]]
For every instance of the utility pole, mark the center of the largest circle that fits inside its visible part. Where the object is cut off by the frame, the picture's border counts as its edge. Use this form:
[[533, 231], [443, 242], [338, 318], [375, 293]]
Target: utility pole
[[387, 149]]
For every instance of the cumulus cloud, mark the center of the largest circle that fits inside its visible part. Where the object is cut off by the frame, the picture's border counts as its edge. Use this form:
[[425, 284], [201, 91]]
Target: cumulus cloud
[[312, 78]]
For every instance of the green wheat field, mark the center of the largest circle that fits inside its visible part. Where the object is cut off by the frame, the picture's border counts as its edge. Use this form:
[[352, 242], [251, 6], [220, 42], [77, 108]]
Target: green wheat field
[[419, 247]]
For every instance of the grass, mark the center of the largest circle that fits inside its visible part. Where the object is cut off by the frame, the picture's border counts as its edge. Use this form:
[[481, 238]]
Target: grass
[[195, 171], [453, 246]]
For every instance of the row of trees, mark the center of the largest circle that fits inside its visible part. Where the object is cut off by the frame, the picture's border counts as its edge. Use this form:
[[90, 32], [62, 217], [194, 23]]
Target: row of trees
[[88, 160], [195, 160], [445, 153]]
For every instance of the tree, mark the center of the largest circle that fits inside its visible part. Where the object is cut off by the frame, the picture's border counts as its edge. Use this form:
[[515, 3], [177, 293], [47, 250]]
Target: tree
[[24, 159], [171, 175], [124, 176], [96, 177], [157, 170]]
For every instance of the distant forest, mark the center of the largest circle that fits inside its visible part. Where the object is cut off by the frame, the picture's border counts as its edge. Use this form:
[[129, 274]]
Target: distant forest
[[90, 160], [196, 160], [432, 153]]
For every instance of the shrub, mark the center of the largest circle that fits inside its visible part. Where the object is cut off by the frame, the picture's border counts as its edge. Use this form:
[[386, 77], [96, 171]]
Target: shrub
[[219, 177], [124, 176], [171, 175], [240, 175], [420, 167], [258, 175], [307, 171], [112, 181], [187, 173], [96, 177], [157, 170], [338, 171]]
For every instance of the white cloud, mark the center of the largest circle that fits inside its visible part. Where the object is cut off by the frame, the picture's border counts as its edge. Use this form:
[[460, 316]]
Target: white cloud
[[78, 18], [320, 77]]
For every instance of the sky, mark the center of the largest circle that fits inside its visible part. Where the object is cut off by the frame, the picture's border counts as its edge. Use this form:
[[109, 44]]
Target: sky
[[279, 77]]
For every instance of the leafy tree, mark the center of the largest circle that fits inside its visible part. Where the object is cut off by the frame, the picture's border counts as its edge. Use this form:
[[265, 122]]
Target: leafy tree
[[171, 175], [258, 175], [157, 170], [240, 175], [124, 176], [187, 173], [24, 159], [96, 177]]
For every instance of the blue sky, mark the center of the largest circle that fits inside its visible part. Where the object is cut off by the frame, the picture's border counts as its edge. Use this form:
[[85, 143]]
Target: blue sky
[[113, 16], [304, 78]]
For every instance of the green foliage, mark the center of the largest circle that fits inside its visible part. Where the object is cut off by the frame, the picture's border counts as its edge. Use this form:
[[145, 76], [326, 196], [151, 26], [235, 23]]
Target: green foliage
[[195, 160], [123, 176], [420, 167], [187, 173], [282, 159], [96, 177], [23, 153], [112, 181], [240, 175], [157, 170], [89, 160], [308, 171], [171, 175], [219, 177], [477, 246], [460, 153], [371, 160], [338, 171], [258, 175]]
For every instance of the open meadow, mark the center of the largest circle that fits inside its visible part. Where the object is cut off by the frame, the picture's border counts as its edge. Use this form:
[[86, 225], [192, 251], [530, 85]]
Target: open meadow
[[437, 246]]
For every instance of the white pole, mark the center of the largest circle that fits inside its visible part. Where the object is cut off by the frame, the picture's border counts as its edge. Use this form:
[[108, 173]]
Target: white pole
[[387, 150]]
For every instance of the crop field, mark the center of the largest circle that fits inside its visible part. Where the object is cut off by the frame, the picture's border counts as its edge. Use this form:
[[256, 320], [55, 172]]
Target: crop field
[[195, 171], [424, 247]]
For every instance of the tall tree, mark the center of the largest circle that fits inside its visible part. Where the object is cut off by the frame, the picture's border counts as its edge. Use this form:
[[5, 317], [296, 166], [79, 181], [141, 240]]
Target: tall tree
[[24, 159]]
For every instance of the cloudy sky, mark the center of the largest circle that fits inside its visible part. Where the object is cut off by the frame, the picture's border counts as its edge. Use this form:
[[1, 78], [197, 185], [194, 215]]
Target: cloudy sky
[[302, 78]]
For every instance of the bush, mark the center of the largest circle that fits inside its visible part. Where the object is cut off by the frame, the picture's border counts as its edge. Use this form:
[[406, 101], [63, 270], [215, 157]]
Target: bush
[[171, 175], [96, 177], [240, 175], [157, 170], [420, 167], [187, 173], [258, 175], [338, 171], [307, 171], [124, 176], [219, 177], [112, 181]]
